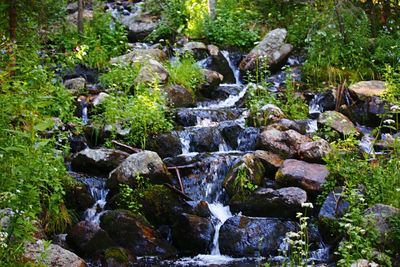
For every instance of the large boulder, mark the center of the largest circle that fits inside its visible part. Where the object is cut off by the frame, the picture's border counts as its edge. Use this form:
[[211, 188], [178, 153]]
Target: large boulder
[[272, 51], [218, 62], [140, 56], [178, 96], [380, 213], [146, 164], [267, 202], [114, 257], [76, 85], [55, 255], [308, 176], [97, 161], [132, 232], [249, 170], [206, 139], [242, 236], [365, 89], [338, 122], [139, 25], [198, 49], [78, 197], [272, 162], [87, 238], [212, 80], [152, 72], [314, 151], [265, 115], [192, 234], [166, 145]]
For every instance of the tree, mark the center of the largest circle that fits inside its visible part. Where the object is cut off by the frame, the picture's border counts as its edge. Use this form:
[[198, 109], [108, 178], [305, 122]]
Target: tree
[[80, 17], [212, 8]]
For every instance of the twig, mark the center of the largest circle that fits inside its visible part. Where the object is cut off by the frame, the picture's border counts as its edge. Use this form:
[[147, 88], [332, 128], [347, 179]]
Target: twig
[[131, 149]]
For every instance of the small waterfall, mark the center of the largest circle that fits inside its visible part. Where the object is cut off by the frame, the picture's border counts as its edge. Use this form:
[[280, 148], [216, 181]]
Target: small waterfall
[[221, 213], [235, 70], [99, 192], [184, 137], [230, 101], [85, 118], [314, 107]]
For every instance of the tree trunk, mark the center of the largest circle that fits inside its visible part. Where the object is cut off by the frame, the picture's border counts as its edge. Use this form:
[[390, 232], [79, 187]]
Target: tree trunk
[[80, 17], [212, 8], [12, 24]]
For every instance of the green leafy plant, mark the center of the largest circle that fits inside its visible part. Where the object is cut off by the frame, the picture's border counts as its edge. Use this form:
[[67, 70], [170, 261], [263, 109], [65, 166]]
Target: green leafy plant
[[130, 198], [120, 77], [242, 183]]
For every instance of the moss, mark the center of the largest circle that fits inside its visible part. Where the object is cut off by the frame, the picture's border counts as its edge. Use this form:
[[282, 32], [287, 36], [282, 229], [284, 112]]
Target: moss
[[118, 254]]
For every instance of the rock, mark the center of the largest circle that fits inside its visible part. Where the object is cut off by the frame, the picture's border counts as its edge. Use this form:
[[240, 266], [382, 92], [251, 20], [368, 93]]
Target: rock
[[72, 7], [380, 213], [219, 63], [165, 145], [314, 151], [248, 170], [362, 263], [368, 111], [198, 49], [140, 56], [78, 197], [272, 50], [242, 236], [333, 208], [213, 50], [100, 98], [295, 139], [56, 256], [178, 96], [151, 73], [322, 102], [272, 162], [132, 232], [267, 202], [308, 176], [73, 18], [147, 164], [115, 257], [265, 115], [338, 122], [206, 139], [212, 80], [97, 161], [192, 234], [365, 89], [161, 206], [87, 238], [5, 218], [230, 132], [76, 85], [77, 143], [139, 25]]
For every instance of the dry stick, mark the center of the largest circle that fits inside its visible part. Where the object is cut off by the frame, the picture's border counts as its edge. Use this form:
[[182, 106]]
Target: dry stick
[[183, 195], [133, 149], [179, 180]]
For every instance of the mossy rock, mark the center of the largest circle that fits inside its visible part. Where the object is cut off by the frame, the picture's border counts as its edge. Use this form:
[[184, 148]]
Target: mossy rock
[[118, 256]]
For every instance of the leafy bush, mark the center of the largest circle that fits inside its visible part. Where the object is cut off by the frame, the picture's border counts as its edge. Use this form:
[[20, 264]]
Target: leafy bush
[[120, 77], [185, 72]]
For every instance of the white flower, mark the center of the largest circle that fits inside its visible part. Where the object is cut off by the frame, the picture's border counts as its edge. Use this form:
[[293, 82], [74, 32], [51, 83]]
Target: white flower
[[394, 108], [307, 205], [389, 121]]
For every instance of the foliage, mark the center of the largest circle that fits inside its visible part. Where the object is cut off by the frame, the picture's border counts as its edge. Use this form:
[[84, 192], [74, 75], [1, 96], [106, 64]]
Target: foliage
[[392, 83], [185, 72], [394, 232], [144, 113], [130, 198], [120, 77], [231, 27], [242, 183]]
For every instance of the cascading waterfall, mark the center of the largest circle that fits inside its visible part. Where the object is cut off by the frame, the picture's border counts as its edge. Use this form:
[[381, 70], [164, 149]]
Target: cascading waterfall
[[235, 70], [97, 189]]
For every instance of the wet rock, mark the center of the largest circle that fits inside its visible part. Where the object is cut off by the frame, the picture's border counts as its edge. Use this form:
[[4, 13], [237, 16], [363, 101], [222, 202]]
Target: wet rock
[[87, 238], [265, 115], [116, 257], [198, 49], [192, 234], [165, 145], [97, 161], [286, 124], [139, 25], [206, 139], [322, 102], [242, 236], [295, 139], [365, 89], [272, 162], [308, 176], [338, 122], [380, 213], [247, 139], [147, 164], [77, 143], [212, 80], [151, 73], [218, 62], [192, 117], [368, 111], [78, 197], [314, 151], [272, 50], [140, 55], [161, 206], [267, 202], [179, 96], [248, 170], [55, 255], [231, 132], [132, 232]]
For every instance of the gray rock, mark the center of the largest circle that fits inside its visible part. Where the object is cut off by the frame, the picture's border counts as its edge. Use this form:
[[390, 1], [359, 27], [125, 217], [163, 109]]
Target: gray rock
[[76, 85], [56, 256], [265, 115], [267, 202], [242, 236], [139, 56], [338, 122], [379, 213], [146, 164], [272, 51], [272, 162], [179, 96], [365, 89], [165, 145], [139, 25], [152, 72], [212, 80], [314, 151], [308, 176], [100, 98], [97, 161]]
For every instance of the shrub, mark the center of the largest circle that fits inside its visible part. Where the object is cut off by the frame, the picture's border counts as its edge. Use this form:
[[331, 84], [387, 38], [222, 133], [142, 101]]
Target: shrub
[[120, 78]]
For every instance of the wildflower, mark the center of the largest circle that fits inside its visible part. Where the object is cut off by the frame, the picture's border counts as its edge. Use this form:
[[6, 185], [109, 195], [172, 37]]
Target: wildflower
[[307, 205], [389, 121], [394, 108]]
